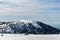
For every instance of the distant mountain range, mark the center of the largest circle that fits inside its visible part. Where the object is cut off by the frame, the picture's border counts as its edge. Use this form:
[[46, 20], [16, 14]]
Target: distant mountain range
[[27, 27]]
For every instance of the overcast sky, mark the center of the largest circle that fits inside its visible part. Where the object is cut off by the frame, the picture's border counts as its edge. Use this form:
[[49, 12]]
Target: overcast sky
[[47, 11]]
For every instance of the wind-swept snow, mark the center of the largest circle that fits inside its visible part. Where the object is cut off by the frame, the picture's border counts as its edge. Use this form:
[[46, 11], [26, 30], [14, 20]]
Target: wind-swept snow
[[29, 37]]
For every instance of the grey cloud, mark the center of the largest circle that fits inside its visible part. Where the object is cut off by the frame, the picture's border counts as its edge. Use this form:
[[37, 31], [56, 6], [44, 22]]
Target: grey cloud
[[9, 4]]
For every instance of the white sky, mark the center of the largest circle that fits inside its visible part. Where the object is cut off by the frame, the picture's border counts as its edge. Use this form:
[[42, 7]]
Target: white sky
[[47, 11]]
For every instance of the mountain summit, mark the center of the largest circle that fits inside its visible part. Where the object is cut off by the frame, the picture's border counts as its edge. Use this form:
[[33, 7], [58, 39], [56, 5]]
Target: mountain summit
[[27, 27]]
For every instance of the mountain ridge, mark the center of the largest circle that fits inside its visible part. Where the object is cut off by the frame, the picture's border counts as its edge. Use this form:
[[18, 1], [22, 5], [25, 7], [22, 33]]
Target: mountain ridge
[[27, 27]]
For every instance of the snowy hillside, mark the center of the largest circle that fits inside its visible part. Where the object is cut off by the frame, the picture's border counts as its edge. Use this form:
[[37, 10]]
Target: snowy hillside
[[27, 27]]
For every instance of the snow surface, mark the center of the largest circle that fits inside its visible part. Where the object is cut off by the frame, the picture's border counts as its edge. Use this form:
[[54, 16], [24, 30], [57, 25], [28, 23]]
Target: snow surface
[[26, 21], [29, 37]]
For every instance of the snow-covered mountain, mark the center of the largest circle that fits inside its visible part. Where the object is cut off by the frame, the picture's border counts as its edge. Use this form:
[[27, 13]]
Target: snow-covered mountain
[[27, 27]]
